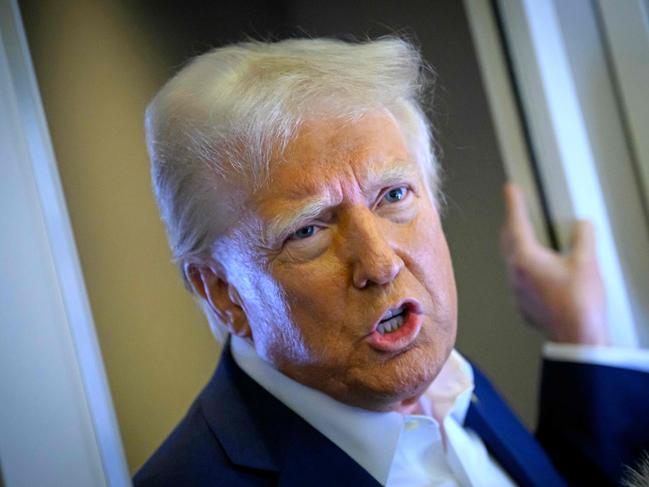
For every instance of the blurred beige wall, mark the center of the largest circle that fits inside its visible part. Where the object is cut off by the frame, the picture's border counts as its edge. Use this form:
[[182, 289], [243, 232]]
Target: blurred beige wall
[[97, 68]]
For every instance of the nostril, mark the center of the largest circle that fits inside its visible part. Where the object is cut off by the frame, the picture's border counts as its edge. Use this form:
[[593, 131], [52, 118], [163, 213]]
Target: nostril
[[379, 271]]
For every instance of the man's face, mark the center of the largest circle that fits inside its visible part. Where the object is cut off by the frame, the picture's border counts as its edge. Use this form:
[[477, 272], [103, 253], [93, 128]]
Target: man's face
[[344, 235]]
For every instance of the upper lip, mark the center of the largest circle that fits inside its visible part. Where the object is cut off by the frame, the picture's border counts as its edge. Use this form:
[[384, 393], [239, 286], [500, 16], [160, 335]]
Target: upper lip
[[410, 305]]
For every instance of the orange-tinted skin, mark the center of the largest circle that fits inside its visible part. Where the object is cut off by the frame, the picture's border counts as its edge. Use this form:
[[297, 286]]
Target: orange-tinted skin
[[308, 304]]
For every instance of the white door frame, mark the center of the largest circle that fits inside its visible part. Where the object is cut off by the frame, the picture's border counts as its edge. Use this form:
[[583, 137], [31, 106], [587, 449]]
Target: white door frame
[[530, 53], [57, 423]]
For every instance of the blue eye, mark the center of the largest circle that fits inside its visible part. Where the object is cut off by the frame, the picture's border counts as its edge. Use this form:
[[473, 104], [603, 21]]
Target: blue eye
[[396, 194], [304, 232]]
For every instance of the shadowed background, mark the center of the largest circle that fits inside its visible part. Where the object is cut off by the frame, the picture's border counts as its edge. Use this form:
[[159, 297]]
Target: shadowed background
[[98, 64]]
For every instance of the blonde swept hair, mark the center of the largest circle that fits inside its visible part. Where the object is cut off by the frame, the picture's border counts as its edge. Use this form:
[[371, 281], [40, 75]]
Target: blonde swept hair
[[228, 110]]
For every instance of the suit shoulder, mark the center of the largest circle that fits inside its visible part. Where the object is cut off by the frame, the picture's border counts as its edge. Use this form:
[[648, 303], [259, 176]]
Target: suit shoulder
[[192, 455]]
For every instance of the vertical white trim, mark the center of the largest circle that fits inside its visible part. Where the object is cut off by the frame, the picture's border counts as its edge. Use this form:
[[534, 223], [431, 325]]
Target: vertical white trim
[[561, 143], [502, 105], [626, 26], [58, 426]]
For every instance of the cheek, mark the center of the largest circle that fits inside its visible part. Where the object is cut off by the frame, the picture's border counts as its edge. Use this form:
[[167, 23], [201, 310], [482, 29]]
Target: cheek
[[430, 261], [276, 338], [293, 327], [314, 292]]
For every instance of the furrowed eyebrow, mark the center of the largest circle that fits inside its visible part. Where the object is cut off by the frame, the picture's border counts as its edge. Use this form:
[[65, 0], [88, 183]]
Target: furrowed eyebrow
[[284, 224], [404, 171]]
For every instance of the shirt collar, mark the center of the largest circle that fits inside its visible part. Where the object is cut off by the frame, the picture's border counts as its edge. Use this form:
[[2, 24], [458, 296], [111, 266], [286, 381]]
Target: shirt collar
[[354, 429]]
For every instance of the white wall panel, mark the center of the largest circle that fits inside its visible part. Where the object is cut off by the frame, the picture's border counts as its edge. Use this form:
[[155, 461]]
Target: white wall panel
[[57, 426]]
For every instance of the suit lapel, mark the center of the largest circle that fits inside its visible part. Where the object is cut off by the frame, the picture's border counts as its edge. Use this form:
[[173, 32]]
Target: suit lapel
[[242, 416], [507, 439], [310, 455], [258, 431]]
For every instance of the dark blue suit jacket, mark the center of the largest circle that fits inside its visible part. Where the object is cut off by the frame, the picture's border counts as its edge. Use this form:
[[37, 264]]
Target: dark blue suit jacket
[[593, 419]]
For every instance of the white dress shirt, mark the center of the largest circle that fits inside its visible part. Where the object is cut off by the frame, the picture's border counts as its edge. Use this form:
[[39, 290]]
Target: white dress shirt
[[433, 449]]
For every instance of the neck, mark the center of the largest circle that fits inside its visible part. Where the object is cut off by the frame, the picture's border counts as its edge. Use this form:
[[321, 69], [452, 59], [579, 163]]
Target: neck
[[409, 406]]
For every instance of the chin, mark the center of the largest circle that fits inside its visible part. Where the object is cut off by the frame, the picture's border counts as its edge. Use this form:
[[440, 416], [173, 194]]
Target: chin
[[402, 378]]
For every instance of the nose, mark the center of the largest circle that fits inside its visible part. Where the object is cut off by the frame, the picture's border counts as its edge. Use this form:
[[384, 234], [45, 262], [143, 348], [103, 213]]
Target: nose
[[374, 260]]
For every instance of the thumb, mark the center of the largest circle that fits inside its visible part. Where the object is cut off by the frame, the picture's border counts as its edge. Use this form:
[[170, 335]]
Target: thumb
[[582, 243], [518, 232]]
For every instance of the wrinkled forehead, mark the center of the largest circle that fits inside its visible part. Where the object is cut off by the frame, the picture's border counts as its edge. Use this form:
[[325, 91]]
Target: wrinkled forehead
[[329, 182], [325, 158], [330, 165], [337, 148]]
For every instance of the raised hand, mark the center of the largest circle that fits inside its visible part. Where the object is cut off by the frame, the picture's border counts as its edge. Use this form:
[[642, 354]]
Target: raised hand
[[562, 294]]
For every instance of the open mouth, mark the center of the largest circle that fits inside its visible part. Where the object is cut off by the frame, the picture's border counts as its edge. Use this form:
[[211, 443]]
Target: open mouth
[[397, 328], [392, 320]]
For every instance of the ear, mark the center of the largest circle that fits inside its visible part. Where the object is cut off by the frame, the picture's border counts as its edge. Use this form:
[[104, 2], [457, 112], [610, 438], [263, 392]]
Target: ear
[[224, 300]]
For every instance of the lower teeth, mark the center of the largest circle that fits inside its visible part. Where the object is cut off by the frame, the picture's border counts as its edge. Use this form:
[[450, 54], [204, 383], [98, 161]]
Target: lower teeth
[[392, 325]]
